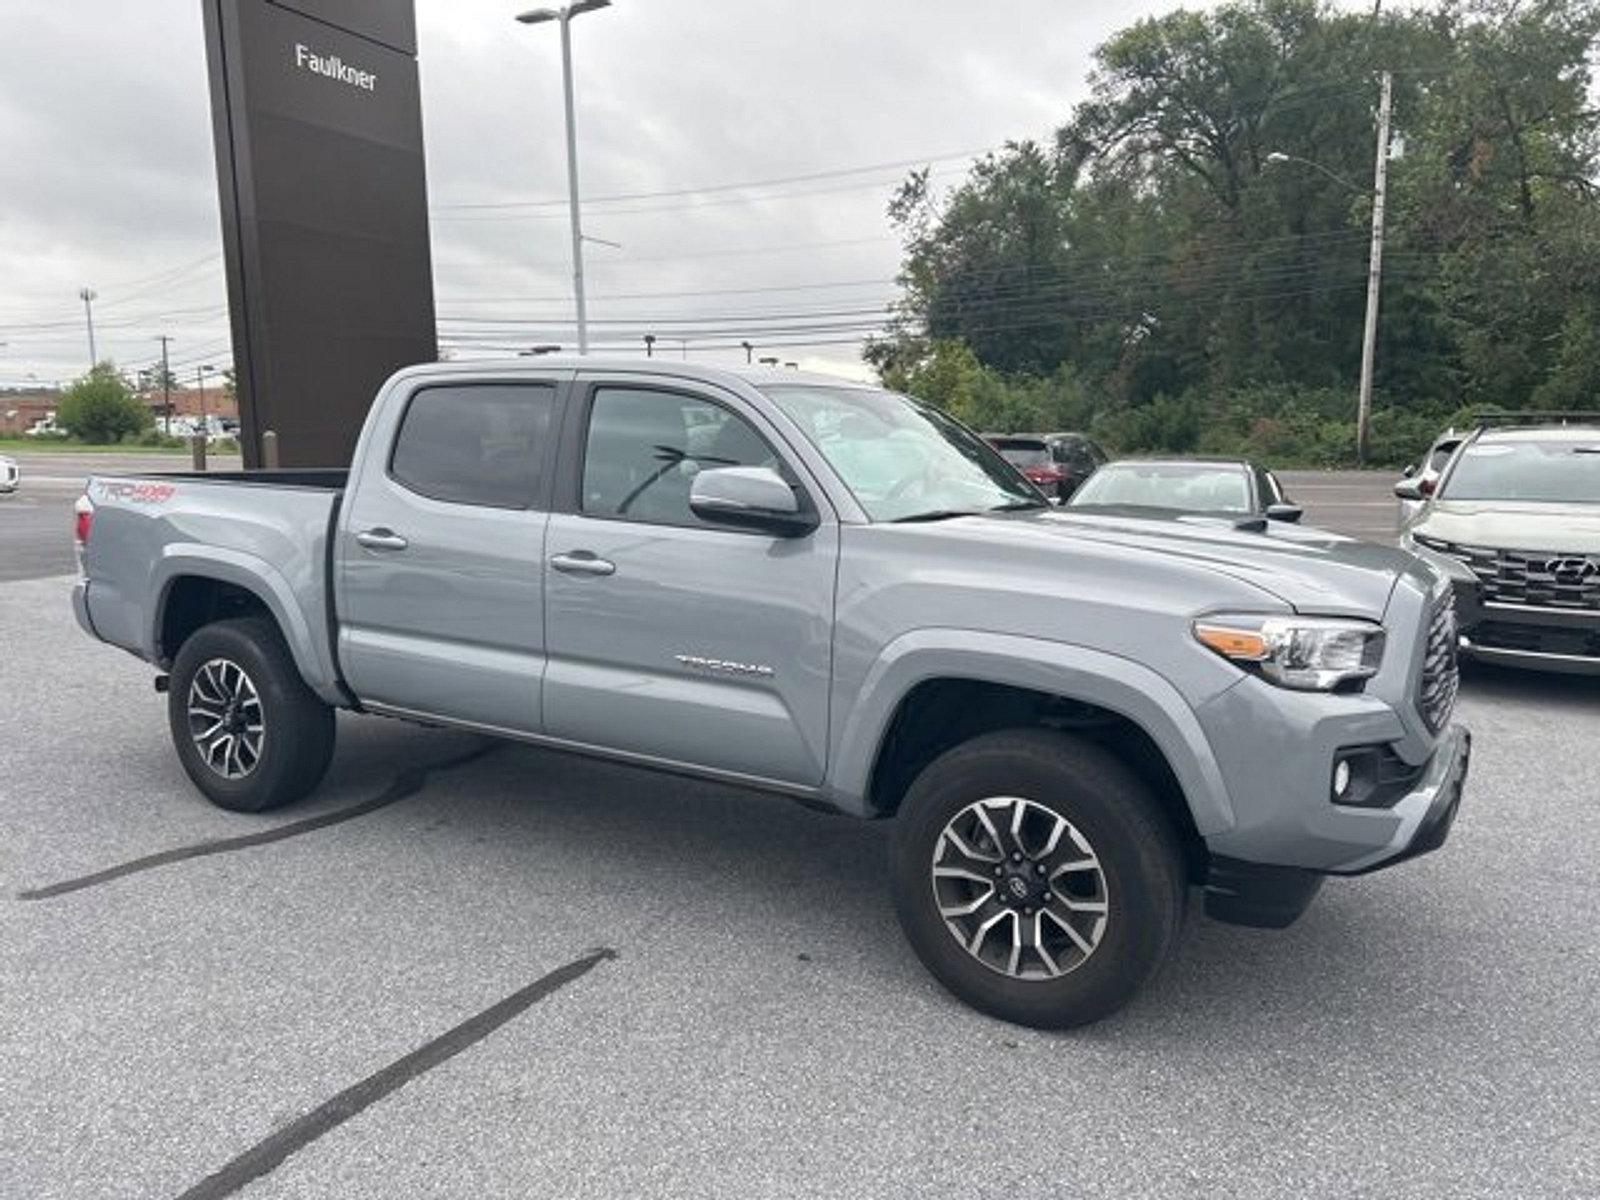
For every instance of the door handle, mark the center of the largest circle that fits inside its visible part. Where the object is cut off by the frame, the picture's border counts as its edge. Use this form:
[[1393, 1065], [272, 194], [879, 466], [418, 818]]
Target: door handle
[[381, 539], [582, 562]]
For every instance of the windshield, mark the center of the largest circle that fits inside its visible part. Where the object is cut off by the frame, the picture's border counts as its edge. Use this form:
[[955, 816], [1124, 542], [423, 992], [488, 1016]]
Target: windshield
[[1024, 454], [1553, 472], [1195, 486], [902, 459]]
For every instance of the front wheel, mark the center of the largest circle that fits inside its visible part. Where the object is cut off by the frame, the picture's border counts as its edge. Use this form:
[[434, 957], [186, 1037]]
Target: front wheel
[[1036, 877], [249, 732]]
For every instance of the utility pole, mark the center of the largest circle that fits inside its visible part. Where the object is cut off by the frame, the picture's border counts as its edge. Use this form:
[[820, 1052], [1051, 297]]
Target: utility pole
[[1369, 338], [748, 351], [87, 296], [166, 381]]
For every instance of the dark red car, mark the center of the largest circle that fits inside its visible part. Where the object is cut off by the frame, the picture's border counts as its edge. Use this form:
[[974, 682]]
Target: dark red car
[[1056, 463]]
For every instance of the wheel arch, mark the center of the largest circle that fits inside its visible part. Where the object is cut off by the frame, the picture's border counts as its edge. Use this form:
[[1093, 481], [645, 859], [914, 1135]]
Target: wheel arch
[[195, 588], [947, 686]]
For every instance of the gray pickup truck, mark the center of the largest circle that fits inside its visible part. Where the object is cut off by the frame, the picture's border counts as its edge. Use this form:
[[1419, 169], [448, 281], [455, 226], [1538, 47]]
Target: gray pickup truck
[[827, 591]]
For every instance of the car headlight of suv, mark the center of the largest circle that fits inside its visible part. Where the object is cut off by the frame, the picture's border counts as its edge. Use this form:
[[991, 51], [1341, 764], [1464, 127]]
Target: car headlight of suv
[[1309, 654]]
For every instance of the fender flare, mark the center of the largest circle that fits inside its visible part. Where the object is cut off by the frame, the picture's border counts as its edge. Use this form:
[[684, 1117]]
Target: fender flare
[[1112, 682], [262, 580]]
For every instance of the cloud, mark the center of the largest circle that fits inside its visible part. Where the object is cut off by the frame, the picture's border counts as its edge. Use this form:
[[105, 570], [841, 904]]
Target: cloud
[[109, 178]]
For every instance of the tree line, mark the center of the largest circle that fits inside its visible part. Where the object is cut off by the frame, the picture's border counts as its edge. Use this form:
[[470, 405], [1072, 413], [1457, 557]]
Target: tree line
[[1183, 266]]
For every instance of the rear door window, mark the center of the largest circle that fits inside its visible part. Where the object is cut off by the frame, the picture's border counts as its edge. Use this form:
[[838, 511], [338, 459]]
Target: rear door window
[[480, 444]]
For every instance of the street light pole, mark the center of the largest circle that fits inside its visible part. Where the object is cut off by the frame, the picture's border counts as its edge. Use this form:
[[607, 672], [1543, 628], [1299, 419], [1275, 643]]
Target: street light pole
[[200, 383], [1369, 331], [1369, 334], [564, 16], [87, 296]]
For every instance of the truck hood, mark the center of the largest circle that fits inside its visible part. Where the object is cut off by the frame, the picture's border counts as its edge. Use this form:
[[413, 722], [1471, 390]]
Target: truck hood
[[1311, 570], [1513, 525]]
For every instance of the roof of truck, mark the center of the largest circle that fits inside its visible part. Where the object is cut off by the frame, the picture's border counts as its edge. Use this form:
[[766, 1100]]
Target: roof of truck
[[633, 365]]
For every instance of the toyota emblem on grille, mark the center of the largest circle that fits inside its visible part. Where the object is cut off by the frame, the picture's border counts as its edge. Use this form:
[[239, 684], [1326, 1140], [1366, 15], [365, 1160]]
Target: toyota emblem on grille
[[1572, 570]]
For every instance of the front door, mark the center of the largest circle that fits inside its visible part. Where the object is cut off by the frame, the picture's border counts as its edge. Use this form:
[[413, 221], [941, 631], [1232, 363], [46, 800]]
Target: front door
[[441, 550], [672, 637]]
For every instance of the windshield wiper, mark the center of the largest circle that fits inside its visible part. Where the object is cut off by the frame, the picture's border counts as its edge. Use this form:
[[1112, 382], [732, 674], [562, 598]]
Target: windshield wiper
[[936, 514], [1019, 505]]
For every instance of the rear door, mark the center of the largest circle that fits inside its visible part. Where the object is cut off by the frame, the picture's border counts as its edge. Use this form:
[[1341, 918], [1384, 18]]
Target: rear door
[[670, 637], [441, 583]]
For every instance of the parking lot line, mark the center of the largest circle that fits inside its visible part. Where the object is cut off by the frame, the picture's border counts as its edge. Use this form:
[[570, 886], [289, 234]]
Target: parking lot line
[[405, 784], [268, 1153]]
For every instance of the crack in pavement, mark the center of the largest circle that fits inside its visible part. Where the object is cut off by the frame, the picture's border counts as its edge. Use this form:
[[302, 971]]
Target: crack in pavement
[[267, 1154], [408, 783]]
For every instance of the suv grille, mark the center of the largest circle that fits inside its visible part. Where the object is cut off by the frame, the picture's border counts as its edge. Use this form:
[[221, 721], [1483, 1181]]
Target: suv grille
[[1535, 578], [1436, 688]]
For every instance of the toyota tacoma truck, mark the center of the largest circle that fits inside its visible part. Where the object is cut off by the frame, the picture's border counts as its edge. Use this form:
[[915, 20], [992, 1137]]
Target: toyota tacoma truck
[[827, 591]]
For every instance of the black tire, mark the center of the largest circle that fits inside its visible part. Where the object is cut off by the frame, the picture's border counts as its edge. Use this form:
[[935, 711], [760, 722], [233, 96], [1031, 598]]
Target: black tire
[[1139, 877], [297, 727]]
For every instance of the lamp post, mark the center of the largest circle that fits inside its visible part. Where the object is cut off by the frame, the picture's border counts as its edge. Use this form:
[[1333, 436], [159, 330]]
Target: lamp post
[[200, 374], [564, 15], [1369, 331]]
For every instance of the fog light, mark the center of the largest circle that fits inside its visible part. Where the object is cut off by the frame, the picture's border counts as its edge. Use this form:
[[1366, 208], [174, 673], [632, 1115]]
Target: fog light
[[1341, 778]]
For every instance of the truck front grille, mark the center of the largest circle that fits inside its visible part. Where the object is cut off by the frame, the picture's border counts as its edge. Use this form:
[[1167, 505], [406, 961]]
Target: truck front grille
[[1436, 687], [1533, 578]]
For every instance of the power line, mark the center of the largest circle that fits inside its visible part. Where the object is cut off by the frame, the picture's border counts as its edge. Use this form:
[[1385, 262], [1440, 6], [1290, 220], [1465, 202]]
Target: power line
[[707, 189]]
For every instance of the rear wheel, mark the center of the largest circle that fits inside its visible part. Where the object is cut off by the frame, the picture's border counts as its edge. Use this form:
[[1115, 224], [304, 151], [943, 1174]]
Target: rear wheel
[[1037, 878], [249, 732]]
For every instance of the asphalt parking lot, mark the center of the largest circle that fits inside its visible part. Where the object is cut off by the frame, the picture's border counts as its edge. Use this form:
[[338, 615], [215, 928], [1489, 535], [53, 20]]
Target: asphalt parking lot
[[466, 969]]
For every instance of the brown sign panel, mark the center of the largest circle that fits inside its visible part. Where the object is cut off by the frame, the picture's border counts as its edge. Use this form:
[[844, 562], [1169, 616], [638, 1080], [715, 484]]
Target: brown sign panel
[[318, 129]]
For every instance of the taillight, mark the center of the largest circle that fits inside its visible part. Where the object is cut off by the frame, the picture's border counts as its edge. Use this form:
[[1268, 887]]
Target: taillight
[[1046, 474], [83, 512]]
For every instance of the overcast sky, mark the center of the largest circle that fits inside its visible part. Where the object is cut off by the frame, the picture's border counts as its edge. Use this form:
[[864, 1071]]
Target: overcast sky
[[107, 177]]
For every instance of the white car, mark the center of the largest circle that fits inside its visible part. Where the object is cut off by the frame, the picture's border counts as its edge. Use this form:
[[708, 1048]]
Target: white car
[[10, 475], [1427, 472]]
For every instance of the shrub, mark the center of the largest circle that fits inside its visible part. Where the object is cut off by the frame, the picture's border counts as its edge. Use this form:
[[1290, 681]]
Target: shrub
[[101, 408]]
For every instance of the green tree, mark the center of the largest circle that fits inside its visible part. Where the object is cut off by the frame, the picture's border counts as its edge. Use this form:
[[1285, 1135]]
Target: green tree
[[1196, 231], [100, 407]]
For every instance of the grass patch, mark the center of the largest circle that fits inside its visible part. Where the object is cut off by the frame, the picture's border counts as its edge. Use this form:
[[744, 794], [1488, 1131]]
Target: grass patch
[[73, 446]]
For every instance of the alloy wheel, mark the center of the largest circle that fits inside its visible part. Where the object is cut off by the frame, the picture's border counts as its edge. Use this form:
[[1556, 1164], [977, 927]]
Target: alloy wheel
[[225, 718], [1020, 887]]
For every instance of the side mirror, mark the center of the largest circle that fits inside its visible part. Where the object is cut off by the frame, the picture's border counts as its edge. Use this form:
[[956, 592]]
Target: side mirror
[[1285, 512], [749, 498], [1408, 489]]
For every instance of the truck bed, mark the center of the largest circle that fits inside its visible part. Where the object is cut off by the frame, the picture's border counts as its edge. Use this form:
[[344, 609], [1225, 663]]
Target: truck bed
[[269, 532], [332, 479]]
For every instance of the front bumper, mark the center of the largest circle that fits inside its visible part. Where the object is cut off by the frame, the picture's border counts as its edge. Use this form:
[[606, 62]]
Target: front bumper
[[1546, 639], [1272, 896]]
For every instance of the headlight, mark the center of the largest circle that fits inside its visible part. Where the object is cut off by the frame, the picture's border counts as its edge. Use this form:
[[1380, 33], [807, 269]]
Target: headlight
[[1309, 654]]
